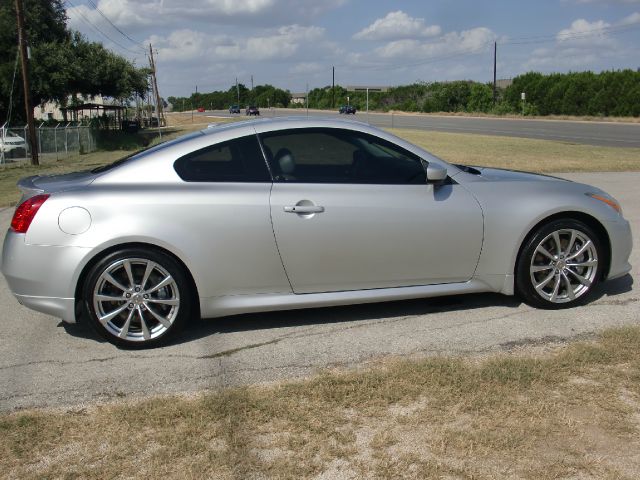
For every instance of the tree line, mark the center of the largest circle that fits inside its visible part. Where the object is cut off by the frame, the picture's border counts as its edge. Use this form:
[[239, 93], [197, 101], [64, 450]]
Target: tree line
[[609, 93], [63, 63], [262, 96]]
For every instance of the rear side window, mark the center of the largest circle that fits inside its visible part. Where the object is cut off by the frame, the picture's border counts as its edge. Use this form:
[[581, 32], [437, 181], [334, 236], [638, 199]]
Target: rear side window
[[238, 160]]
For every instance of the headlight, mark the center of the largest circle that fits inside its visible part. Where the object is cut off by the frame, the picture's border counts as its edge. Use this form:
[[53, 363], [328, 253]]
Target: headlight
[[608, 199]]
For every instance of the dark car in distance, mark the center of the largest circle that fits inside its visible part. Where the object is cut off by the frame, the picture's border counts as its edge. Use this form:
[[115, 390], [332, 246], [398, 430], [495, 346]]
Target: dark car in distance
[[347, 109], [234, 109], [252, 110]]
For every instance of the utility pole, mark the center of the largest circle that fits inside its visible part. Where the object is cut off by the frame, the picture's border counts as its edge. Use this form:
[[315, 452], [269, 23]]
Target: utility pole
[[495, 56], [22, 40], [252, 83], [333, 87], [238, 91], [154, 86]]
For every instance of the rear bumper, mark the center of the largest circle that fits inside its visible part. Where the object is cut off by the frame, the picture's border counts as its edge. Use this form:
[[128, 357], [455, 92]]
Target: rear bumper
[[43, 277], [63, 308]]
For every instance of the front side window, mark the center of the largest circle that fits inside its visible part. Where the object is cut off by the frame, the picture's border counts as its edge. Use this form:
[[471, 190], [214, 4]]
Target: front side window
[[329, 155], [238, 160]]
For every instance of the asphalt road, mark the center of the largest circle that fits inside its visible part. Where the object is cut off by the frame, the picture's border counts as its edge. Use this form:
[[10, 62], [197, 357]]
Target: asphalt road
[[46, 363], [590, 133]]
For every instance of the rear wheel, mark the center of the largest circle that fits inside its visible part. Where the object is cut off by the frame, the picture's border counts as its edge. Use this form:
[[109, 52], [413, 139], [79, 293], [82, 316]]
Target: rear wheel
[[559, 265], [137, 298]]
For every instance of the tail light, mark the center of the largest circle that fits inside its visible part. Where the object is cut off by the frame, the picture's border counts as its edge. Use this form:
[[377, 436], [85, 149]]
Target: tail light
[[25, 213]]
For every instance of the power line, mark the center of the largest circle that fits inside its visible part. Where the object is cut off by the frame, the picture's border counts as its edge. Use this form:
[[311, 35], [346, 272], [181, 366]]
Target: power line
[[100, 31], [611, 30], [113, 25]]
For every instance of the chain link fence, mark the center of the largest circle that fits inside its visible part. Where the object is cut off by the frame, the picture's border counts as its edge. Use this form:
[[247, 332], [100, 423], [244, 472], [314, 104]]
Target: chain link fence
[[54, 142]]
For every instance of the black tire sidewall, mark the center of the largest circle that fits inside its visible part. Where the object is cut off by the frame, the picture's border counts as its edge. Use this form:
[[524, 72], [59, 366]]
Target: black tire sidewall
[[524, 287], [165, 261]]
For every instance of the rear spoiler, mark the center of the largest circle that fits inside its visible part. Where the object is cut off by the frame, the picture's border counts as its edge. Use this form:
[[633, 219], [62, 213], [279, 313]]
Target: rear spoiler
[[28, 187]]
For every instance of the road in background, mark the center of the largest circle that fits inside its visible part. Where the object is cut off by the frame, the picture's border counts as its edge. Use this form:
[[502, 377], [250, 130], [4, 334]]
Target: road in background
[[44, 362], [612, 134]]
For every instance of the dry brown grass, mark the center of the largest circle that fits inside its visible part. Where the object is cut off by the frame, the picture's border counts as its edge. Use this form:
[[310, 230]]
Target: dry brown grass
[[514, 116], [532, 155], [572, 413], [188, 122]]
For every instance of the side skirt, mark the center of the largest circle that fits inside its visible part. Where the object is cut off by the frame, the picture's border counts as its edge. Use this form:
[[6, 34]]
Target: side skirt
[[236, 304]]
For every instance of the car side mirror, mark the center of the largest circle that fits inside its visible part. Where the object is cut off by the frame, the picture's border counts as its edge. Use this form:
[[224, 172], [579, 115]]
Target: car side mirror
[[436, 174]]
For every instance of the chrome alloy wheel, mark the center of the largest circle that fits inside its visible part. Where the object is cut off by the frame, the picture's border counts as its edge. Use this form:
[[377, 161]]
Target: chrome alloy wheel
[[564, 266], [136, 299]]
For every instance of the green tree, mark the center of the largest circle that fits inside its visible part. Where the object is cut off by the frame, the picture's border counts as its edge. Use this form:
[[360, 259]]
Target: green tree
[[480, 98], [63, 63]]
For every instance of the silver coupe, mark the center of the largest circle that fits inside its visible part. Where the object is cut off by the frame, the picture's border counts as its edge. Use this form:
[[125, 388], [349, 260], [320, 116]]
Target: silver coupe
[[294, 213]]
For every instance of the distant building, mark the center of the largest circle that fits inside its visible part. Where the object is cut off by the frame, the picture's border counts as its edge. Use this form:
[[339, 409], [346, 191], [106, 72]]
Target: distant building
[[364, 88], [298, 98], [52, 111], [504, 82]]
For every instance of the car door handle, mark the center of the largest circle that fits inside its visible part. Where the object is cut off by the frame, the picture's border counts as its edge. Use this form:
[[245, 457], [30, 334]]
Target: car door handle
[[302, 209]]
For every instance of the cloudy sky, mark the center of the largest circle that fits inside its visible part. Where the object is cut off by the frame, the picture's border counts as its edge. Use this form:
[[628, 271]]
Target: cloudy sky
[[294, 43]]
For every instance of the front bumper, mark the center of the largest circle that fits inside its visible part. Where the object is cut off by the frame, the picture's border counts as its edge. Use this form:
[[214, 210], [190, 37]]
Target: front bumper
[[621, 246], [43, 277]]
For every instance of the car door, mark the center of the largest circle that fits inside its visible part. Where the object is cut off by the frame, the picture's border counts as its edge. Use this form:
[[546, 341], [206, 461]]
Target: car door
[[223, 219], [351, 211]]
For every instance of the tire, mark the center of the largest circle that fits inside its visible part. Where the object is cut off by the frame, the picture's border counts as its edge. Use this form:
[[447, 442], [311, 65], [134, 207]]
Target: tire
[[142, 297], [559, 265]]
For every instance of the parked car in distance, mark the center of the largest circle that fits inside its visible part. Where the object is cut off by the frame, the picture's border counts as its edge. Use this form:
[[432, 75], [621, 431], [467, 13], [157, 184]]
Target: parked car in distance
[[130, 126], [290, 213], [200, 109], [234, 109], [151, 122], [252, 110], [346, 109], [11, 142]]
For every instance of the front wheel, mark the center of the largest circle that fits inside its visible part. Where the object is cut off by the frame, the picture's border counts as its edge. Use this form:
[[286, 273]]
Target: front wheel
[[137, 298], [559, 265]]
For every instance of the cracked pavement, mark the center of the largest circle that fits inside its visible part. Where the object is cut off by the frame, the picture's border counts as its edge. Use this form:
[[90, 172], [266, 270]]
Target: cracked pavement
[[45, 363]]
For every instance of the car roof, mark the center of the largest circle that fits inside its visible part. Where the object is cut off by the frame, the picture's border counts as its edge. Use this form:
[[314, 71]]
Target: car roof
[[283, 123]]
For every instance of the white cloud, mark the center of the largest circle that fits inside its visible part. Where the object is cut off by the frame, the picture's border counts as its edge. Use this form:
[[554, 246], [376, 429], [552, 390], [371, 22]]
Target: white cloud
[[187, 45], [631, 19], [130, 14], [467, 41], [397, 25], [305, 68], [582, 45], [586, 34]]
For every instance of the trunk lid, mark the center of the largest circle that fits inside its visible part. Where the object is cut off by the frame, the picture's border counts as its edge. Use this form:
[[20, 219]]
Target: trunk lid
[[37, 184]]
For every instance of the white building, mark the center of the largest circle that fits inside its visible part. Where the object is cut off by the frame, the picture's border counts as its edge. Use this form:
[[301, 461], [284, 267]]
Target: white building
[[51, 110]]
